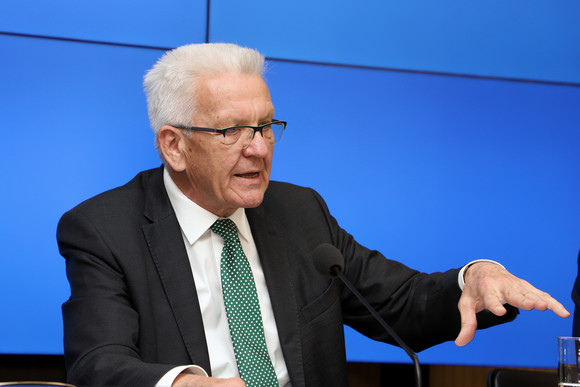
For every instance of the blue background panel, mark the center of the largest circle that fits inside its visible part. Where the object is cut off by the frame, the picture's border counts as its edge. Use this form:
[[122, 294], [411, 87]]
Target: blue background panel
[[436, 171], [432, 170], [159, 23], [516, 39], [72, 127]]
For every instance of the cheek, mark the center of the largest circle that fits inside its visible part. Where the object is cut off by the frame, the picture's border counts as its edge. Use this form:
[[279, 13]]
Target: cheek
[[208, 163], [268, 162], [219, 169]]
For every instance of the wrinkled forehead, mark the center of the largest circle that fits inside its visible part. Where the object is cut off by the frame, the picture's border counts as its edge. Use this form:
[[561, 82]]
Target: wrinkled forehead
[[233, 98]]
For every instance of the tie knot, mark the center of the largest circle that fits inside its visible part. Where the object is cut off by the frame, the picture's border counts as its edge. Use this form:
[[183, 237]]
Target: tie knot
[[225, 228]]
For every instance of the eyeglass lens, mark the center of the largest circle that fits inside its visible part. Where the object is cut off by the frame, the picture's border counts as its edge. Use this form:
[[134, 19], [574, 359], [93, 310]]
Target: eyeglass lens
[[272, 134]]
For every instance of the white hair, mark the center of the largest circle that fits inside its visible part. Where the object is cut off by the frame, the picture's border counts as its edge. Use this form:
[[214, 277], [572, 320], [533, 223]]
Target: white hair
[[170, 86]]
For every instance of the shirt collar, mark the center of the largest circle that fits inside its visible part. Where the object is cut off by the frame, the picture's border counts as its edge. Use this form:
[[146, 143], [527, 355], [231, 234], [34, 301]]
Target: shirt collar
[[195, 220]]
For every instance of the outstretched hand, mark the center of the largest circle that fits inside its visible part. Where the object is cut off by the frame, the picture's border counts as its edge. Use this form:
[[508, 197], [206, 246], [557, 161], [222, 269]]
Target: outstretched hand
[[489, 286]]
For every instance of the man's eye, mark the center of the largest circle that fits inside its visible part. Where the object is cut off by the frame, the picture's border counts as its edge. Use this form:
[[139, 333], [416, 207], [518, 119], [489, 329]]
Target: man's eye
[[232, 130]]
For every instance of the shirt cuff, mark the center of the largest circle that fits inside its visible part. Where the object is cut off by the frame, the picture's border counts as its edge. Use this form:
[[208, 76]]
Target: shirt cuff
[[461, 279], [168, 379]]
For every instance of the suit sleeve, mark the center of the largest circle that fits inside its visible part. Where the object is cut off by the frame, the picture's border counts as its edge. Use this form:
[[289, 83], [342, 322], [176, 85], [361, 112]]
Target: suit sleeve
[[421, 307]]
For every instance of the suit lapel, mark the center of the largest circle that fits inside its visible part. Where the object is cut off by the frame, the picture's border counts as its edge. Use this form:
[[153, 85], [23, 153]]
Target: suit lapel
[[165, 243], [275, 260]]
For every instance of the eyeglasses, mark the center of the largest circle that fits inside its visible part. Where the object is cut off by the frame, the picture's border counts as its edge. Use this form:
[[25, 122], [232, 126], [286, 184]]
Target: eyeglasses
[[272, 132]]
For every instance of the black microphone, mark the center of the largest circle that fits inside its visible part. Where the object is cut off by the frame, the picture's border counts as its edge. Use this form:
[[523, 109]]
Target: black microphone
[[328, 259]]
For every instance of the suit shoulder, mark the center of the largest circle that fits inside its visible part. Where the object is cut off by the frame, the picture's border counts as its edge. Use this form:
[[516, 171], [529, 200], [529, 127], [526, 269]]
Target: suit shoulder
[[278, 188], [291, 196], [122, 198]]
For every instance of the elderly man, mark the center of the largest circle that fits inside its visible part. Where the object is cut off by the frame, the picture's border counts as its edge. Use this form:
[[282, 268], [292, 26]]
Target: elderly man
[[200, 272]]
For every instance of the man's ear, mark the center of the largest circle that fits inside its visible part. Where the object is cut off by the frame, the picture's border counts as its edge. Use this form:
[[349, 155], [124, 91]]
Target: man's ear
[[172, 145]]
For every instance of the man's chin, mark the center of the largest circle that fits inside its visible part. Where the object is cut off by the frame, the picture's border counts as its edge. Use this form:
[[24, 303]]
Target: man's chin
[[251, 200], [253, 203]]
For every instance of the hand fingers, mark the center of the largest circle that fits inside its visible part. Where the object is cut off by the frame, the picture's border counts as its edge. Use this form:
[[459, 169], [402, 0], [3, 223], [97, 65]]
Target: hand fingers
[[488, 286], [528, 297], [498, 286], [467, 311], [542, 302], [469, 305], [558, 308], [494, 303]]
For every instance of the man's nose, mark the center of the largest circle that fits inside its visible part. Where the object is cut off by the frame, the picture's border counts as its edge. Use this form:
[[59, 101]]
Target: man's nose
[[258, 146]]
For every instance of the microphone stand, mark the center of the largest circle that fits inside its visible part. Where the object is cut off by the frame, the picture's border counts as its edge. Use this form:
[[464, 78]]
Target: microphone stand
[[336, 270]]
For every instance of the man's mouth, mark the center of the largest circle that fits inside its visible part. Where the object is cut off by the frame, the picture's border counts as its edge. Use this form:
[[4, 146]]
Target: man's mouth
[[248, 175]]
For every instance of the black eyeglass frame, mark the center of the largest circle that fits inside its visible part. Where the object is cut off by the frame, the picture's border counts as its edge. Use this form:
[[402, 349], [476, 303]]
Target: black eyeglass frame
[[223, 131]]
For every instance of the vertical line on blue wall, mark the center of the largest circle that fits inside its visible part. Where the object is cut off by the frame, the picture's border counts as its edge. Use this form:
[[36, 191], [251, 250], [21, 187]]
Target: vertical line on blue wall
[[207, 21]]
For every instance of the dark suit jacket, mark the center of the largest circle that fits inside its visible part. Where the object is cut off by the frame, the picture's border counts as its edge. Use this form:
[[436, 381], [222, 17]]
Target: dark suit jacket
[[133, 313], [576, 299]]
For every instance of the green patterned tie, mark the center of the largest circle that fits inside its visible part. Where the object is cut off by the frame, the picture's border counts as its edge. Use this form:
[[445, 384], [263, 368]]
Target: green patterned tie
[[243, 310]]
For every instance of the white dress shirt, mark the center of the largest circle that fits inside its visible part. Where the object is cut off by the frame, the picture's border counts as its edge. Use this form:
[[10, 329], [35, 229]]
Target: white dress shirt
[[204, 249]]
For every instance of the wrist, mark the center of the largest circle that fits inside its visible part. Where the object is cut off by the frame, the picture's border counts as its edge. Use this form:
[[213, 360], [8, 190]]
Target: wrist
[[463, 271]]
